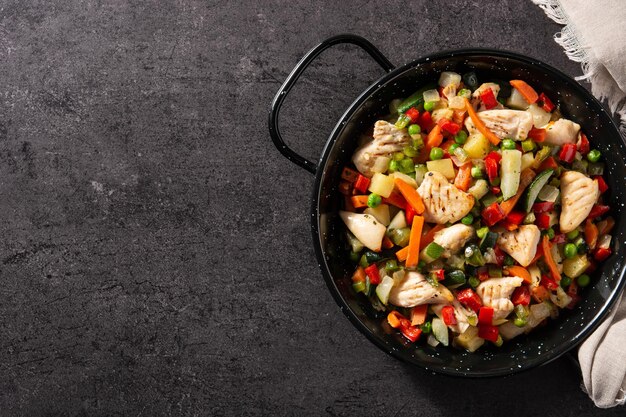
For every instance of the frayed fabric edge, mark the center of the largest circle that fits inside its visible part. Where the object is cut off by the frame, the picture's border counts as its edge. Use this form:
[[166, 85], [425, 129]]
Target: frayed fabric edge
[[603, 86]]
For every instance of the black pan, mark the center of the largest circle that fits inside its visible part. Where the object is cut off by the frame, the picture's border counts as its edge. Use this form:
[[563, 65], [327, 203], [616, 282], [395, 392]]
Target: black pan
[[543, 344]]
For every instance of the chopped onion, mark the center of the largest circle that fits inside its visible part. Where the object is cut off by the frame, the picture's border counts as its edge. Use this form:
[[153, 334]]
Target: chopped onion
[[432, 341], [540, 116], [604, 242], [456, 103], [449, 78], [384, 288], [431, 95], [548, 193]]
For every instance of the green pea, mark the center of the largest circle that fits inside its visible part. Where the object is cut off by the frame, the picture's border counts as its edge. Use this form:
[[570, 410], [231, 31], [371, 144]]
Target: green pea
[[508, 144], [407, 166], [374, 200], [528, 145], [410, 151], [429, 105], [436, 153], [452, 148], [414, 130], [583, 280], [476, 172], [460, 137], [426, 327], [398, 156], [573, 234], [394, 165], [467, 220], [594, 155], [570, 250], [565, 281]]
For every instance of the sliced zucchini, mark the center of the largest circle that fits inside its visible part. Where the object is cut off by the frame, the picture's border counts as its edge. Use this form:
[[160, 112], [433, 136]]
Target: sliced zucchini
[[535, 187]]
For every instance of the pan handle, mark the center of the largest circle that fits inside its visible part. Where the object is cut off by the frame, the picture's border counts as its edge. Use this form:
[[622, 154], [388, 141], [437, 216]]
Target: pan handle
[[284, 89]]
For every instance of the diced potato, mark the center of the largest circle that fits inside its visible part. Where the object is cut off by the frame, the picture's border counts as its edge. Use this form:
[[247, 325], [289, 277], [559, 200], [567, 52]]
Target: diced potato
[[404, 178], [449, 78], [431, 95], [477, 146], [457, 103], [511, 170], [469, 339], [442, 114], [398, 222], [381, 212], [527, 160], [516, 100], [381, 184], [443, 166], [540, 116], [479, 190], [575, 266]]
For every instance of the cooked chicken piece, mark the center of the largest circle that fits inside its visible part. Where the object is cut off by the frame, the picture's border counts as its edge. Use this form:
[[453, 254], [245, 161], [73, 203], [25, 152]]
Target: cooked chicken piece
[[495, 293], [443, 202], [504, 123], [460, 313], [387, 140], [561, 132], [414, 290], [521, 244], [453, 238], [578, 195]]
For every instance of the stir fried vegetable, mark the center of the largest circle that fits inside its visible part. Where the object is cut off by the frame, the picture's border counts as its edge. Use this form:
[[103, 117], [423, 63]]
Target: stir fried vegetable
[[469, 220]]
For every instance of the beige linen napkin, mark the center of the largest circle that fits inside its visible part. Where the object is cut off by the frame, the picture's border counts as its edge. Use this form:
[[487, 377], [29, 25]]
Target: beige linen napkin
[[595, 35]]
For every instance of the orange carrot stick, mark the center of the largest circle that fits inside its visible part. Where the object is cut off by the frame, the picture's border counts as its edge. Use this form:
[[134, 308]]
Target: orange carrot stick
[[463, 177], [547, 255], [529, 93], [410, 195], [414, 242], [434, 137], [527, 176], [359, 201], [591, 234], [480, 125], [402, 254], [395, 199], [518, 271], [418, 314]]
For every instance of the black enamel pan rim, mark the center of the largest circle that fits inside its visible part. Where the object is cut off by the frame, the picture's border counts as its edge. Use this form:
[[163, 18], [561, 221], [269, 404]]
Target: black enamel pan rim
[[315, 216]]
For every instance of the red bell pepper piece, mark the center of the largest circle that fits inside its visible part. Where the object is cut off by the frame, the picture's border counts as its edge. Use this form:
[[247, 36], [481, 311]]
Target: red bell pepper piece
[[426, 121], [597, 211], [492, 214], [395, 199], [409, 214], [549, 163], [500, 255], [469, 299], [538, 135], [558, 239], [568, 152], [583, 144], [413, 114], [521, 295], [440, 274], [600, 254], [449, 126], [488, 332], [494, 155], [372, 272], [516, 217], [488, 98], [602, 185], [543, 207], [549, 283], [447, 314], [482, 273], [546, 103], [411, 332], [491, 166], [542, 221], [361, 184], [485, 316]]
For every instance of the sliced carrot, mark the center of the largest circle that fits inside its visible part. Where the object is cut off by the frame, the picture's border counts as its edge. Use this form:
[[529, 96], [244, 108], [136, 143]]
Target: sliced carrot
[[480, 125], [402, 254], [410, 195], [429, 236], [529, 93], [463, 177], [547, 255], [527, 176], [540, 293], [518, 271], [458, 116], [434, 137], [591, 234], [396, 199], [394, 319], [414, 242], [538, 255], [359, 275], [359, 201], [387, 243], [418, 314]]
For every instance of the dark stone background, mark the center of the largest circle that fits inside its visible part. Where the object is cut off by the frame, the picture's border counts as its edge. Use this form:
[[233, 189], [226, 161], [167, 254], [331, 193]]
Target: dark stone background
[[156, 255]]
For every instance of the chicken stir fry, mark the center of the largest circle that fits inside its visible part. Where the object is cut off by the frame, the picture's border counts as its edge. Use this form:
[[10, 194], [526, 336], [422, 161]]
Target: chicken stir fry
[[474, 212]]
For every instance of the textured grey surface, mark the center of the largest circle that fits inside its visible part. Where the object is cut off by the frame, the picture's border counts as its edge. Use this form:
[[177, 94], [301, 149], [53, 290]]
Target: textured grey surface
[[156, 256]]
